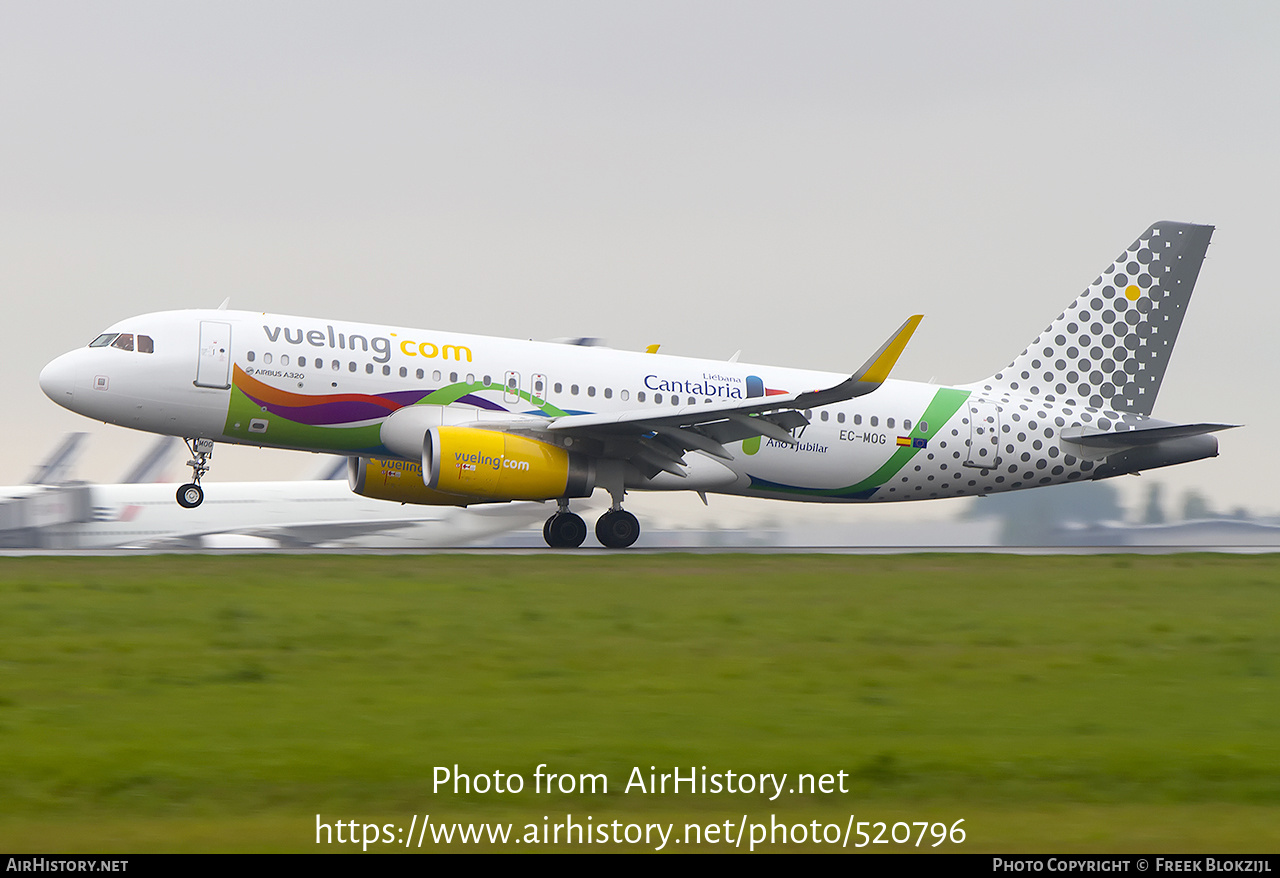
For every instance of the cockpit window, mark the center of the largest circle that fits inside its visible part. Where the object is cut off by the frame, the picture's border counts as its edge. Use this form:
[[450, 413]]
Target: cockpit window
[[124, 341], [145, 345], [103, 340]]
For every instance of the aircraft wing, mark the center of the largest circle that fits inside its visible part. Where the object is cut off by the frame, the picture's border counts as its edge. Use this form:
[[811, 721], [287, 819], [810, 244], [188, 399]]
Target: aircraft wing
[[655, 440]]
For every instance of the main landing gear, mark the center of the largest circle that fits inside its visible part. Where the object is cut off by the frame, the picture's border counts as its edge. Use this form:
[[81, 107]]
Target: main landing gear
[[616, 529], [564, 530], [191, 495]]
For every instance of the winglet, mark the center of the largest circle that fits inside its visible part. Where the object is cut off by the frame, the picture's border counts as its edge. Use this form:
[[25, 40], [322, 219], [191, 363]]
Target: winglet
[[876, 369], [872, 374]]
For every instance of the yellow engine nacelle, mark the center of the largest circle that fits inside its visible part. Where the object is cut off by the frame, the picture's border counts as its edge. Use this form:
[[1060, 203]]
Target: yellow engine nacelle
[[396, 480], [492, 465]]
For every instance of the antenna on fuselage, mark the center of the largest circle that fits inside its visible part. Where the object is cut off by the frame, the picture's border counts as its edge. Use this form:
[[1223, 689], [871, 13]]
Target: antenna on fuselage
[[225, 303]]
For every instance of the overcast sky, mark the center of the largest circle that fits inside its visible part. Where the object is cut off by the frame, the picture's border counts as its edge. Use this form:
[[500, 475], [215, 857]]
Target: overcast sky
[[790, 179]]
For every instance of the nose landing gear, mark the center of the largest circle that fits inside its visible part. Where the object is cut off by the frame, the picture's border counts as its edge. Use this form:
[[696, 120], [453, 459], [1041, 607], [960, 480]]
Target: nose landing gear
[[191, 495]]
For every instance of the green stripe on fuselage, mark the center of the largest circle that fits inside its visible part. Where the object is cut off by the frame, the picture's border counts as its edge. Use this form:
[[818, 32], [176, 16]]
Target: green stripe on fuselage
[[453, 392], [945, 403]]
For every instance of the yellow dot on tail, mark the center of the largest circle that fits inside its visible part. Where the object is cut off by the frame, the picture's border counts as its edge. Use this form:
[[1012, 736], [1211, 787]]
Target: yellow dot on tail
[[1132, 293]]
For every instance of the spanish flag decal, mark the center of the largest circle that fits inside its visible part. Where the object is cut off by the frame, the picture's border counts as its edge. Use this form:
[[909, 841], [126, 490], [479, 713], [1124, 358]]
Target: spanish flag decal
[[908, 442]]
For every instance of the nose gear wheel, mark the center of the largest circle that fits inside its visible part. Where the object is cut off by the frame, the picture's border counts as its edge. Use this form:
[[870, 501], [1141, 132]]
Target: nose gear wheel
[[191, 494]]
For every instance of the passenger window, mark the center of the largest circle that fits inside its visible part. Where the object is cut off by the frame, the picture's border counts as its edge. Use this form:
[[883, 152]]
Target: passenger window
[[857, 420], [875, 421], [368, 368], [624, 395], [471, 378], [453, 377], [249, 356], [591, 391], [336, 365], [404, 372], [924, 426], [906, 425], [824, 415], [889, 423], [386, 370], [840, 417], [421, 374], [284, 359], [487, 381], [266, 358], [435, 376], [640, 396], [608, 393], [573, 390], [145, 345], [124, 341], [302, 361], [559, 387], [657, 397]]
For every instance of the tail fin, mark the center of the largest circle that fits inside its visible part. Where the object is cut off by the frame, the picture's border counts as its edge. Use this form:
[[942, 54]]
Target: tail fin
[[1109, 349], [56, 467]]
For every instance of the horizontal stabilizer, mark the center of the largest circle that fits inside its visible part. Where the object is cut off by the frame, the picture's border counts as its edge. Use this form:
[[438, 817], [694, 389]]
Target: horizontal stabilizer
[[1117, 439], [1148, 443]]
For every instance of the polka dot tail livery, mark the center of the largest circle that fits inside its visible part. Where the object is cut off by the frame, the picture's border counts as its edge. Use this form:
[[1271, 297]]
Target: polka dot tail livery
[[1110, 348]]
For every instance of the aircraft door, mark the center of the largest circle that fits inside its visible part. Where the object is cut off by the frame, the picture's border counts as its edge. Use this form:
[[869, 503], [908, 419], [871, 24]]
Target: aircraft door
[[984, 433], [214, 367], [538, 387], [511, 388]]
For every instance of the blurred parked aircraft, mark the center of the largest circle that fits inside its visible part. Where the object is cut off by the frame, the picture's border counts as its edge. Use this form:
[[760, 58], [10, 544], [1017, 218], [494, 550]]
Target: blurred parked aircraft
[[52, 512]]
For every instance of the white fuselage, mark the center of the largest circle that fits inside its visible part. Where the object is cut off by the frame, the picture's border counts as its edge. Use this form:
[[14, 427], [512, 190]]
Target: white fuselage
[[327, 386]]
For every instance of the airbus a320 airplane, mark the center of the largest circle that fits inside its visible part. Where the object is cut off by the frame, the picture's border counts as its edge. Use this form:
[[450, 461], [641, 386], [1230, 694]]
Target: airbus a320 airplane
[[434, 417]]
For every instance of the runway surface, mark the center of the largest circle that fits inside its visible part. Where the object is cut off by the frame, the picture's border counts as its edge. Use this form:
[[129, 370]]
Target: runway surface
[[681, 550]]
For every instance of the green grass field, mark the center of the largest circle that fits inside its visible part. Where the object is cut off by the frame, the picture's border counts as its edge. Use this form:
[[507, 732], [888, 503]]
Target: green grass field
[[1082, 703]]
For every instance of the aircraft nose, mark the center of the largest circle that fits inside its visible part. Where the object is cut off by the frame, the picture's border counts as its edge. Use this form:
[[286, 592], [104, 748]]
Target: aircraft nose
[[58, 380]]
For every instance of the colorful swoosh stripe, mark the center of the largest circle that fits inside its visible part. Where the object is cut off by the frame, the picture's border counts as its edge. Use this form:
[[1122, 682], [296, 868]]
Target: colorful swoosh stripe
[[343, 408], [323, 409]]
